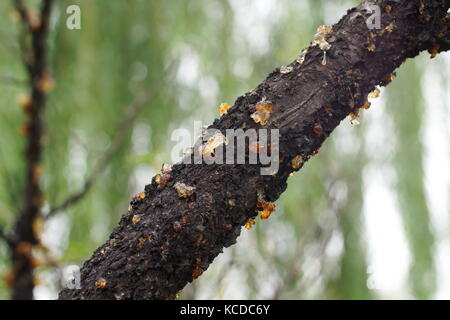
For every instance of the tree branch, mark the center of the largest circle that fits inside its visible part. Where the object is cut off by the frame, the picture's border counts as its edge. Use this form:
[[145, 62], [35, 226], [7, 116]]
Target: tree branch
[[165, 241], [6, 237], [3, 235], [25, 234], [12, 81], [23, 13]]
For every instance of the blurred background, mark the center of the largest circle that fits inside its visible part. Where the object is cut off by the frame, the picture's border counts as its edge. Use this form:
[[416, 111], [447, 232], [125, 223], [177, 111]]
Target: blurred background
[[367, 218]]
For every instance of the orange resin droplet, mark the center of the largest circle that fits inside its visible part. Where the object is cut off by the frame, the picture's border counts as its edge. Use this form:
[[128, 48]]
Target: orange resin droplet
[[262, 113], [100, 283], [199, 241], [223, 108], [176, 226], [366, 105], [374, 94], [317, 129], [391, 77], [249, 224], [47, 83], [136, 218], [269, 208], [25, 101], [162, 179], [433, 51], [215, 141], [388, 9], [296, 161], [197, 272], [184, 190]]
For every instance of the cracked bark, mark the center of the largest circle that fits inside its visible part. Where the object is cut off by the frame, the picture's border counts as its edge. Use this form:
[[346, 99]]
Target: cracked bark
[[177, 238]]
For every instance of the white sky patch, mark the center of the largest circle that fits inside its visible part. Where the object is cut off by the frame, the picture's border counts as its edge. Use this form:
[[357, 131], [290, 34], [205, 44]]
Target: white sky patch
[[56, 234], [235, 285], [196, 82], [188, 71], [253, 22], [43, 292], [242, 67], [389, 255], [333, 10], [388, 252], [312, 265], [443, 263], [141, 144], [77, 165], [186, 98], [247, 255], [335, 246], [208, 89], [375, 135], [141, 138], [230, 280], [437, 150], [236, 281], [344, 139], [437, 171], [380, 143], [278, 236], [142, 176], [55, 238], [447, 64]]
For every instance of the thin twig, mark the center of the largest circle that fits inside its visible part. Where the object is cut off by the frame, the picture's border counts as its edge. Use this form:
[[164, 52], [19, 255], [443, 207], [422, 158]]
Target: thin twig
[[8, 43], [27, 30], [130, 115], [292, 272], [3, 235], [12, 81], [23, 13], [6, 237]]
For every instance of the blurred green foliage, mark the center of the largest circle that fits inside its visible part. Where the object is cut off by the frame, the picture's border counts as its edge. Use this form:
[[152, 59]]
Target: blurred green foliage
[[221, 49]]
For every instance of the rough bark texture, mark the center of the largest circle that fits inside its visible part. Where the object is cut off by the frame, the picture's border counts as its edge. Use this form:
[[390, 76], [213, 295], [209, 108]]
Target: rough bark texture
[[177, 238]]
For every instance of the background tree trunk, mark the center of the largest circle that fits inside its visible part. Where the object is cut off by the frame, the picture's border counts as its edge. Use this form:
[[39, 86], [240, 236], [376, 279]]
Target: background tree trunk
[[25, 231]]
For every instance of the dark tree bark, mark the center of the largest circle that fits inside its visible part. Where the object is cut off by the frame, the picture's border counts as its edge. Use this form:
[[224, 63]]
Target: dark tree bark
[[25, 234], [171, 240]]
